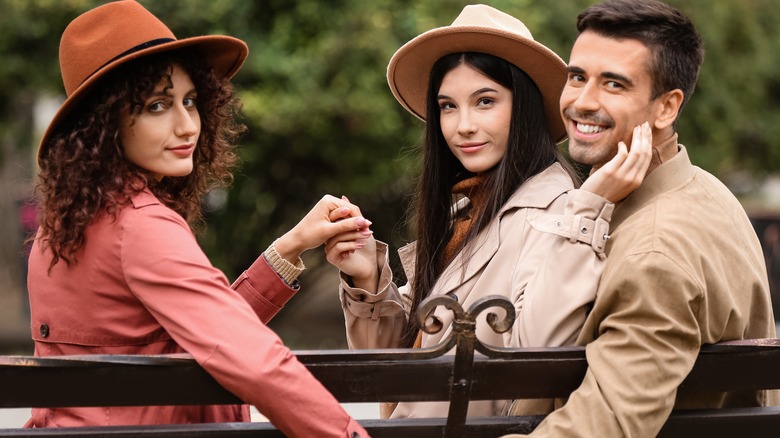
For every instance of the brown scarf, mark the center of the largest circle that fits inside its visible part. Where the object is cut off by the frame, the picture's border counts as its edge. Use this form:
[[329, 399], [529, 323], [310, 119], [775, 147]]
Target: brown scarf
[[474, 189]]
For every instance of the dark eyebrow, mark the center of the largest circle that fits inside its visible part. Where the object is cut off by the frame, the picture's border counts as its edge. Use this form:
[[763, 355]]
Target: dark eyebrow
[[618, 77], [166, 93], [607, 75], [157, 95], [484, 90], [476, 93]]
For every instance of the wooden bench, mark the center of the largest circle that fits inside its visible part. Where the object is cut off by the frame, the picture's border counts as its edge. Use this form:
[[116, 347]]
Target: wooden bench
[[387, 375]]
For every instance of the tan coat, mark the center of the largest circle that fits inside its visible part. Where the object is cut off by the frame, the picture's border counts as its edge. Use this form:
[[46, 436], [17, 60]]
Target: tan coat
[[684, 269], [539, 253]]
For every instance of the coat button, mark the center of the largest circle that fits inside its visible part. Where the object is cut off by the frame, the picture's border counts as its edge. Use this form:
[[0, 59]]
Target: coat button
[[44, 330]]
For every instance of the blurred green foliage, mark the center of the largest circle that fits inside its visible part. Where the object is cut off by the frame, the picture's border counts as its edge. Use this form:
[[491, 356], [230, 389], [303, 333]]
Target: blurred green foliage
[[322, 120]]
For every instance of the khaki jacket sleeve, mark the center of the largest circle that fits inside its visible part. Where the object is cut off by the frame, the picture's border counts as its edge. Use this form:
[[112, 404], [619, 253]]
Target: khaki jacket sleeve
[[374, 320], [647, 340], [558, 272]]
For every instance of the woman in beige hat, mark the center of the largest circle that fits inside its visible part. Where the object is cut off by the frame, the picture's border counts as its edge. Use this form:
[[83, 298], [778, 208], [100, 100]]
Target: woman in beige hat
[[497, 211], [147, 129]]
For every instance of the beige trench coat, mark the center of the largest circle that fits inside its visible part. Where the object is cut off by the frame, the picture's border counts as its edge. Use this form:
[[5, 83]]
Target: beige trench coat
[[544, 252]]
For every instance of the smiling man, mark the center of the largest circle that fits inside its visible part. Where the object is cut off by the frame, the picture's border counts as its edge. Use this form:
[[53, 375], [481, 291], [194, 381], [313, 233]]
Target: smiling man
[[684, 266]]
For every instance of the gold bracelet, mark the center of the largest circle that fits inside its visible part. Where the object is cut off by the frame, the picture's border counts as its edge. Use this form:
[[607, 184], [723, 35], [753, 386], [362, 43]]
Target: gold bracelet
[[284, 268]]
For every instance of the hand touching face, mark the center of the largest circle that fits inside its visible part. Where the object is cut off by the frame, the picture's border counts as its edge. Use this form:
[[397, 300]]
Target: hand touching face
[[608, 93], [625, 172]]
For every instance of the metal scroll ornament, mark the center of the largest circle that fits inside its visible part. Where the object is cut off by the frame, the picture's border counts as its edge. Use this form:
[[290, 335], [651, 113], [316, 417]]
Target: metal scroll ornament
[[465, 322], [464, 338]]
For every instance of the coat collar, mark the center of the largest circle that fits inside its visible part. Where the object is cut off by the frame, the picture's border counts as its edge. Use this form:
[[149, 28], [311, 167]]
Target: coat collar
[[144, 199], [673, 173], [538, 192]]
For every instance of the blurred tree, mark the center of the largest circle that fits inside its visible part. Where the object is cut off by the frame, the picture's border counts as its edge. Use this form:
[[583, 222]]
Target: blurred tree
[[734, 120], [322, 120], [28, 71]]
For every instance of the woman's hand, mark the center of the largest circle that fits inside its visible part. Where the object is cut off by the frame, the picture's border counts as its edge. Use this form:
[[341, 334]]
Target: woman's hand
[[354, 253], [625, 172], [331, 216]]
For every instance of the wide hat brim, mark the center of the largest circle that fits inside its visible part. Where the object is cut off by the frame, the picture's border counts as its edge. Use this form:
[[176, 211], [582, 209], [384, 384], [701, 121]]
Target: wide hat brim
[[224, 53], [409, 69]]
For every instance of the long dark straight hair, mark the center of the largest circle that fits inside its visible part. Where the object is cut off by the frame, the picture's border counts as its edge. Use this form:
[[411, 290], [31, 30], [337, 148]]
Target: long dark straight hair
[[531, 149]]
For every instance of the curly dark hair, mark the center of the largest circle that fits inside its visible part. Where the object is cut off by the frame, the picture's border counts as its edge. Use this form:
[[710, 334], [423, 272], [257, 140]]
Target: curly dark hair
[[83, 171]]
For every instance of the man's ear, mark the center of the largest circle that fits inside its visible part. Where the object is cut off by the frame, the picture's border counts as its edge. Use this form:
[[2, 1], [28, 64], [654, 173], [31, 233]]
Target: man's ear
[[668, 106]]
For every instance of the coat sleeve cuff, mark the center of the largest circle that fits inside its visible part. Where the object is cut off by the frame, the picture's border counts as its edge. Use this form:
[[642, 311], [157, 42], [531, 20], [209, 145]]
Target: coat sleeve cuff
[[363, 304], [264, 289], [288, 271], [585, 219]]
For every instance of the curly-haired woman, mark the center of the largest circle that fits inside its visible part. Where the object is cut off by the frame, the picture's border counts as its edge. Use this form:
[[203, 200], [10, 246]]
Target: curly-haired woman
[[147, 129]]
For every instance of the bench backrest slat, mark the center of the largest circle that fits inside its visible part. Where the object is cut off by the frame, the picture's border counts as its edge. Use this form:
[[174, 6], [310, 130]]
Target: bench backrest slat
[[427, 374], [148, 380], [763, 422]]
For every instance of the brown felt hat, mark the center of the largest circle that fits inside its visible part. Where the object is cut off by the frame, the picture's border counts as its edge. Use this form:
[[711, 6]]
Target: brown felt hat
[[108, 36], [483, 29]]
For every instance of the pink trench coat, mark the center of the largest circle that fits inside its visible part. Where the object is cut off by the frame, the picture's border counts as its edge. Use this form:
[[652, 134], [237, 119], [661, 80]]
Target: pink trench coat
[[142, 285], [544, 252]]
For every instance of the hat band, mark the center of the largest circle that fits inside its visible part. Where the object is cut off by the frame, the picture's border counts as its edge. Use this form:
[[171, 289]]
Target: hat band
[[132, 50]]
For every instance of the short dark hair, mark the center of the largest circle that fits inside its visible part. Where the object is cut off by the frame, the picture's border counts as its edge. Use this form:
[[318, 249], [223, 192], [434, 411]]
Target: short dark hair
[[675, 45]]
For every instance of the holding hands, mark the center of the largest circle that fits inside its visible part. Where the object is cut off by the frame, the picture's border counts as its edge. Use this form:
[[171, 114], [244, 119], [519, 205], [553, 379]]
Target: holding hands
[[353, 252], [330, 217]]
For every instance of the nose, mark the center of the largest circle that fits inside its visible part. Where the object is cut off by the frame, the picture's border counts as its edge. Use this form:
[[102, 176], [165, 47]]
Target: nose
[[466, 124], [586, 98], [187, 122]]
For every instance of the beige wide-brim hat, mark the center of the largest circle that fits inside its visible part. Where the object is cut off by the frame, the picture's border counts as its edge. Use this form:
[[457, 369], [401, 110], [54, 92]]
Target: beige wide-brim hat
[[478, 28], [103, 38]]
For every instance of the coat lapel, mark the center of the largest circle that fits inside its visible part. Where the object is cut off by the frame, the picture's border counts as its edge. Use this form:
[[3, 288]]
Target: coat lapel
[[483, 251], [538, 192]]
